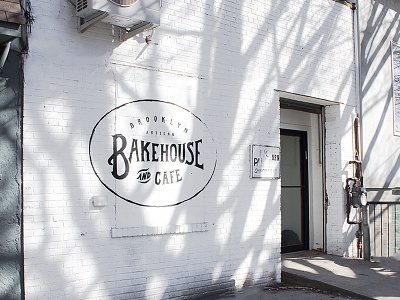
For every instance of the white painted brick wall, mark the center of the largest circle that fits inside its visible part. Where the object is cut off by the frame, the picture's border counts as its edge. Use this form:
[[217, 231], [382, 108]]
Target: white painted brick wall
[[221, 60], [341, 239]]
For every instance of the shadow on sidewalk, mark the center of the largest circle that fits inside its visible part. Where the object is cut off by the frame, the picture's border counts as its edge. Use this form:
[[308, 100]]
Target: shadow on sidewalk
[[353, 277]]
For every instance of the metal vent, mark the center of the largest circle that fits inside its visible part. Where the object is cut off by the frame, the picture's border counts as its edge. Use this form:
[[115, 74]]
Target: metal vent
[[81, 4], [124, 2]]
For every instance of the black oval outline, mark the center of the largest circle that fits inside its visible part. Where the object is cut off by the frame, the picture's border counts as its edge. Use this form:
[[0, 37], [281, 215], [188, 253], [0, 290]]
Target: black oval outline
[[133, 202]]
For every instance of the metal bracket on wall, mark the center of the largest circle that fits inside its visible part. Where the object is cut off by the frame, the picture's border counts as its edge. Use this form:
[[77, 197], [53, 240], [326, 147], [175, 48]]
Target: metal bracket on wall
[[347, 3], [140, 27], [396, 191], [126, 33], [85, 24]]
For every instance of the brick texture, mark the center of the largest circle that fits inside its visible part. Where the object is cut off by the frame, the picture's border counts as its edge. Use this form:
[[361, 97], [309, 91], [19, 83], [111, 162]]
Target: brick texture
[[222, 60], [10, 11]]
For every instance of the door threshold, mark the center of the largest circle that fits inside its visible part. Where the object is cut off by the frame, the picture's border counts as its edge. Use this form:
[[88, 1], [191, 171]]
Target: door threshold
[[302, 253]]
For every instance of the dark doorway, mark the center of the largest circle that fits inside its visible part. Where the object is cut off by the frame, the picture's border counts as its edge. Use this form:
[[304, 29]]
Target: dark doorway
[[294, 192]]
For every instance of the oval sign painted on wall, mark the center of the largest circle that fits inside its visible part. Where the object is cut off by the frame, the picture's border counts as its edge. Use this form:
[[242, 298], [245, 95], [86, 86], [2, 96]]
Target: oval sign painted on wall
[[153, 153]]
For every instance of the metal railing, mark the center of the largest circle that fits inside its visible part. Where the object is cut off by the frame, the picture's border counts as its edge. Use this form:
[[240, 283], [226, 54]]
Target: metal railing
[[384, 228]]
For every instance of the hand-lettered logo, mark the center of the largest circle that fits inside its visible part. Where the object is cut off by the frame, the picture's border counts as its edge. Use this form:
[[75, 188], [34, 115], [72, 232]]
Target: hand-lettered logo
[[152, 153]]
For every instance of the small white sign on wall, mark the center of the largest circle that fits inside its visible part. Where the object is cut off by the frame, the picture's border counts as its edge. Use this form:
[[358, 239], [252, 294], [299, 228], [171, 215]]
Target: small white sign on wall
[[396, 87], [264, 162]]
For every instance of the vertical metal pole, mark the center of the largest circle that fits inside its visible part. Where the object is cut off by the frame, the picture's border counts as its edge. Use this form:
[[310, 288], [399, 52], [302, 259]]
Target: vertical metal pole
[[365, 232], [395, 229], [374, 230], [324, 192], [388, 242], [381, 216]]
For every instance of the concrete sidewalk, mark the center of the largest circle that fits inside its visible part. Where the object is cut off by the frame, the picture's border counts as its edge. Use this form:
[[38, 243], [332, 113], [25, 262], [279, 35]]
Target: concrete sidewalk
[[313, 275], [379, 279]]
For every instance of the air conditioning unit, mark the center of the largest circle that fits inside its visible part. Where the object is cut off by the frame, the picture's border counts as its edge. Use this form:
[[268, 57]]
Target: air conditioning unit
[[123, 13]]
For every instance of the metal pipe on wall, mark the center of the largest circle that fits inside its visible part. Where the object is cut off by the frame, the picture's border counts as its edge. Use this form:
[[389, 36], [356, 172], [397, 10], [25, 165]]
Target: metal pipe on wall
[[364, 208], [325, 194]]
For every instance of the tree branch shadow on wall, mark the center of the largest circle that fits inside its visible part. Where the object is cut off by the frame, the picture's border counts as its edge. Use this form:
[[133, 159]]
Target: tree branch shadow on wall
[[381, 27], [219, 261], [11, 257]]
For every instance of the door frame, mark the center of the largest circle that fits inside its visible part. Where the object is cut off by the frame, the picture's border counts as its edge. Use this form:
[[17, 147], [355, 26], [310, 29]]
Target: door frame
[[305, 199], [291, 103]]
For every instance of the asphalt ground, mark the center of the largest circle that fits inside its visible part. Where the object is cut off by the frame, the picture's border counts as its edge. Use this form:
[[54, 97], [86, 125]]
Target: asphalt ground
[[313, 275], [284, 291]]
